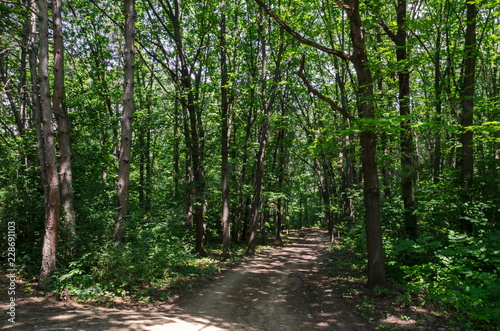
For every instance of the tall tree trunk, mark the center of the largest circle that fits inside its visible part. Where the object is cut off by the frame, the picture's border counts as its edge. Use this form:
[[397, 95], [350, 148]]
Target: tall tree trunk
[[325, 196], [267, 105], [188, 167], [126, 123], [282, 167], [470, 55], [148, 155], [371, 189], [199, 180], [65, 171], [52, 200], [259, 171], [408, 153], [438, 89], [24, 94], [240, 226], [176, 151], [329, 190], [35, 97], [346, 156], [193, 132], [226, 221]]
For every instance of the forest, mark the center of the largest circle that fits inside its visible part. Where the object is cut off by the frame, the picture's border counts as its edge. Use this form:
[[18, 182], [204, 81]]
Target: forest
[[141, 140]]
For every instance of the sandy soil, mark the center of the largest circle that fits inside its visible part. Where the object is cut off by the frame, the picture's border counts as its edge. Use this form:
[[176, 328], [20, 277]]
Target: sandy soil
[[282, 288]]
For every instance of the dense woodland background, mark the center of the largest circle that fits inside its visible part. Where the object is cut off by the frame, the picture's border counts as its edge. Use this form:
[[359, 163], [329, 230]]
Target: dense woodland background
[[138, 138]]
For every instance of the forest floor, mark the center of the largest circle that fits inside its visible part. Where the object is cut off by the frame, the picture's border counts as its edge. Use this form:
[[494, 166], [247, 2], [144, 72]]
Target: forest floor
[[280, 288]]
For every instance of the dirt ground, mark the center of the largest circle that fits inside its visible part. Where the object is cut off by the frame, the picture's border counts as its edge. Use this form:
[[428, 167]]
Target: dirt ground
[[281, 288]]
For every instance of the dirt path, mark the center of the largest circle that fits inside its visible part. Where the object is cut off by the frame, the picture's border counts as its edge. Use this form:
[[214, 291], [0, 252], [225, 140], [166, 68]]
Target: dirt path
[[279, 289]]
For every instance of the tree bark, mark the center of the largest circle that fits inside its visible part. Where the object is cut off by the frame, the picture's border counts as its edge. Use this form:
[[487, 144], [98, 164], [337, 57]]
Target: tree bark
[[176, 151], [49, 248], [35, 97], [371, 189], [226, 220], [264, 133], [126, 124], [438, 89], [408, 153], [61, 115], [470, 55]]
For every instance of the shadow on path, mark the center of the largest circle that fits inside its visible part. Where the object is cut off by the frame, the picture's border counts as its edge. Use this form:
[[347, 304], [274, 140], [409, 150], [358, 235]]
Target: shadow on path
[[274, 290]]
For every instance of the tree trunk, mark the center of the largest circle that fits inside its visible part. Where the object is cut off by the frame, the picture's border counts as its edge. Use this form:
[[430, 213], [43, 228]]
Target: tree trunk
[[226, 221], [438, 84], [282, 171], [126, 123], [470, 56], [188, 166], [326, 197], [198, 177], [264, 133], [65, 171], [259, 174], [52, 199], [408, 153], [240, 228], [35, 98], [371, 190], [376, 256], [176, 151]]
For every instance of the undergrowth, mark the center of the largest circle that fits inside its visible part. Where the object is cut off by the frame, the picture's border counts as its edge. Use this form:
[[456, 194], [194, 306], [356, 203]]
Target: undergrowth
[[147, 268], [458, 273]]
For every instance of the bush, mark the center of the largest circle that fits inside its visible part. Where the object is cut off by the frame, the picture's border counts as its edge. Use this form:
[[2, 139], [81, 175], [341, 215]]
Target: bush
[[461, 272]]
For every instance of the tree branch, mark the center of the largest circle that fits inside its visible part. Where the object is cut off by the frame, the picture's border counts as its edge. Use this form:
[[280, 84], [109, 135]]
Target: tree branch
[[343, 5], [300, 38], [317, 93], [387, 30]]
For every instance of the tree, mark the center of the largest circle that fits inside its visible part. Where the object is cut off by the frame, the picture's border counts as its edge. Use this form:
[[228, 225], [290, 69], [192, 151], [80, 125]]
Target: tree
[[126, 123], [63, 125], [408, 153], [268, 98], [371, 191], [225, 134], [469, 81], [49, 162]]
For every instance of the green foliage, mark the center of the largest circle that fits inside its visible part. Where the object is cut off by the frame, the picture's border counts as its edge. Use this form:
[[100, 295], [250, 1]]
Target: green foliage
[[153, 256], [459, 271], [306, 139]]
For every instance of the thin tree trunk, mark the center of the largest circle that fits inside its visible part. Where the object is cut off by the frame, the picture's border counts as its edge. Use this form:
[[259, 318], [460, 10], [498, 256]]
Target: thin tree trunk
[[264, 133], [126, 123], [254, 213], [240, 228], [282, 166], [148, 156], [35, 98], [325, 196], [176, 151], [61, 115], [226, 221], [49, 248], [188, 166], [468, 109], [408, 153], [199, 181], [436, 156]]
